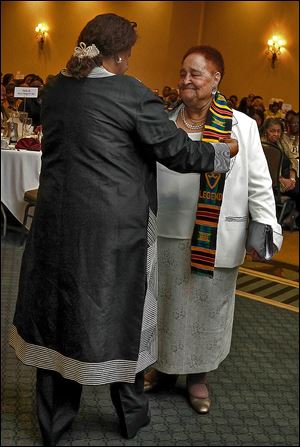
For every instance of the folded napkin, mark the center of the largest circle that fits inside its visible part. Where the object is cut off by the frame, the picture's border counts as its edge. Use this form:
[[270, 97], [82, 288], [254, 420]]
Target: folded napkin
[[29, 144]]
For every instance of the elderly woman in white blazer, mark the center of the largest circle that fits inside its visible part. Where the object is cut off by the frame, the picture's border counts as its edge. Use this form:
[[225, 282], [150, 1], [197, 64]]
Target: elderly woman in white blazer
[[196, 312]]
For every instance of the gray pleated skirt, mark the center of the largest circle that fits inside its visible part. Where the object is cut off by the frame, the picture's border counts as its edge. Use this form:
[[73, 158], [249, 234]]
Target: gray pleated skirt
[[195, 313]]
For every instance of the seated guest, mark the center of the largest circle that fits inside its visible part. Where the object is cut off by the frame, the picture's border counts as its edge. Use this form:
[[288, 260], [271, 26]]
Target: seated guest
[[258, 116], [280, 104], [292, 131], [244, 105], [287, 119], [165, 92], [233, 101], [274, 111], [251, 96], [33, 105], [11, 103], [273, 132], [28, 77], [172, 100], [3, 93], [20, 83], [8, 77], [257, 103], [4, 113]]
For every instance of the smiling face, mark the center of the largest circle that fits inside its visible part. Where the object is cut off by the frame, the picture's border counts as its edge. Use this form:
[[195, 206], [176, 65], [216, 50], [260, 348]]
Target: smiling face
[[198, 77]]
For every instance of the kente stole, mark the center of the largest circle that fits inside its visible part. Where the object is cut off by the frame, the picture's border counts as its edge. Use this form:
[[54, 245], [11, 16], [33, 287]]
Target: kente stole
[[204, 240]]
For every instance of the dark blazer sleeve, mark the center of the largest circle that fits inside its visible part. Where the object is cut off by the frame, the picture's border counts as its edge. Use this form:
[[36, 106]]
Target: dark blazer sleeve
[[171, 146]]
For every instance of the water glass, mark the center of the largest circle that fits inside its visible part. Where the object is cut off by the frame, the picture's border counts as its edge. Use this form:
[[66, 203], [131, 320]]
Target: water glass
[[27, 127], [4, 142]]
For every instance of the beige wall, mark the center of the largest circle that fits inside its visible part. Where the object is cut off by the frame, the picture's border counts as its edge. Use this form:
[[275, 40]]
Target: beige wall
[[241, 32], [166, 29], [155, 58]]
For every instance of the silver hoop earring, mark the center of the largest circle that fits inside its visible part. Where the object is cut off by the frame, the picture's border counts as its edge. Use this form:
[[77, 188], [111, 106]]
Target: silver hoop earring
[[119, 60], [214, 91]]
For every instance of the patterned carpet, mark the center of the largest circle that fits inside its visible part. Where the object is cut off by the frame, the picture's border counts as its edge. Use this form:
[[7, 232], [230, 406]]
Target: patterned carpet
[[281, 269], [275, 282], [284, 264], [254, 392], [268, 289]]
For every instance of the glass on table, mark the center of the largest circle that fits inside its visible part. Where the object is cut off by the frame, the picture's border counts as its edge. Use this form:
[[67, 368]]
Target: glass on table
[[5, 143], [5, 134], [4, 128], [15, 116], [22, 119], [23, 116], [27, 127]]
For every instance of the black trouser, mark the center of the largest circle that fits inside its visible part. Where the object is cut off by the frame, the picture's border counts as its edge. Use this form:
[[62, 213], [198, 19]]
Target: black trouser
[[58, 401], [131, 404]]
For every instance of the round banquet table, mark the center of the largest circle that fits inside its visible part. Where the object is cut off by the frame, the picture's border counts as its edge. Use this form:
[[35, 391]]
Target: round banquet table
[[20, 171]]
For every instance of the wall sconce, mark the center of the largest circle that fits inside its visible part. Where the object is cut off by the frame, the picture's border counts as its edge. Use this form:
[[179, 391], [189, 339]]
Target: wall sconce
[[41, 33], [274, 46]]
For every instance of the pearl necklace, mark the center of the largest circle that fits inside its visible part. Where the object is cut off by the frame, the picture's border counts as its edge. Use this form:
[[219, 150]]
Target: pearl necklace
[[191, 126]]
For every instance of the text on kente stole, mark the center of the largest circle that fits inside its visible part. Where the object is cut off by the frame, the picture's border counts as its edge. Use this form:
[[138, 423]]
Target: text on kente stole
[[210, 195]]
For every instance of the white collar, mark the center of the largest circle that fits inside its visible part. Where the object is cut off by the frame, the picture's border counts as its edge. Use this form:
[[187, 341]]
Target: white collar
[[96, 72]]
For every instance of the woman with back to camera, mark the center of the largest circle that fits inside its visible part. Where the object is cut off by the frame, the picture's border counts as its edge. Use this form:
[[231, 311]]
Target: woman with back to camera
[[86, 308], [202, 230]]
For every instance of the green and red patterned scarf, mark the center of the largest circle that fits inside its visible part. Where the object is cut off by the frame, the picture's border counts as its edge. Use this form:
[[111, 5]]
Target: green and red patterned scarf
[[204, 240]]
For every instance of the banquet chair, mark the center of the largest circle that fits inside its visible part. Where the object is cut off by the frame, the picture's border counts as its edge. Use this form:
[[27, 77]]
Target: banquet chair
[[31, 198], [283, 203]]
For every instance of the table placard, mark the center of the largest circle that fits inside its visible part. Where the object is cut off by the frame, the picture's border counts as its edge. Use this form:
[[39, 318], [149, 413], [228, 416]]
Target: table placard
[[26, 92]]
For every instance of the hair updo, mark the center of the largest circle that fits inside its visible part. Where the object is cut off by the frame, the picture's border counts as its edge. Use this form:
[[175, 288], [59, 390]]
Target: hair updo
[[111, 34]]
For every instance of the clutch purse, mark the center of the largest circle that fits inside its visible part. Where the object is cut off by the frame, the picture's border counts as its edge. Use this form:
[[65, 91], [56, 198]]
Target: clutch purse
[[260, 239]]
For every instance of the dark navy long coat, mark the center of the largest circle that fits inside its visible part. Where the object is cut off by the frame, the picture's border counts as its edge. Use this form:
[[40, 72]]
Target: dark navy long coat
[[87, 295]]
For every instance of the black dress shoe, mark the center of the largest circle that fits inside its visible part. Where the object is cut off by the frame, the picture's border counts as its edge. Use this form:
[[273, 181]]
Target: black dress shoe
[[50, 441], [155, 380], [130, 432]]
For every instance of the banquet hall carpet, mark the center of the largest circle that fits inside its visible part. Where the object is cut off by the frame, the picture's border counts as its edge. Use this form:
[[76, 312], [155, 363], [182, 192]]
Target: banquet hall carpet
[[284, 264], [275, 282], [254, 392]]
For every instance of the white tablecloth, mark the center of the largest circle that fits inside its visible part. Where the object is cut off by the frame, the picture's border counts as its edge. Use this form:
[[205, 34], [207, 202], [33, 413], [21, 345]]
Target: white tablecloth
[[20, 172]]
